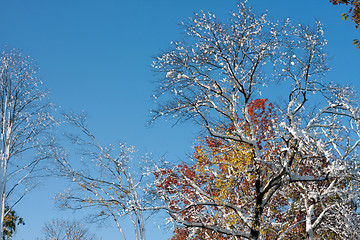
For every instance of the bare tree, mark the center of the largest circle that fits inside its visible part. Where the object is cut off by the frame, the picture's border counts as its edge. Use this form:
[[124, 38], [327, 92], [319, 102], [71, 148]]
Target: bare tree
[[216, 73], [107, 180], [24, 118], [66, 230]]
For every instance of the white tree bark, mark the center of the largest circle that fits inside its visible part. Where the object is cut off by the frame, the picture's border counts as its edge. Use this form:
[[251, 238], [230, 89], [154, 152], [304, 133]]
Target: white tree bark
[[25, 119]]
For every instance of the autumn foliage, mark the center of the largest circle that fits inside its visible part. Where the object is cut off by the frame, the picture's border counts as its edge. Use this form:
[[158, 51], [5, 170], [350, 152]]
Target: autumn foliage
[[284, 171], [354, 9], [222, 186], [222, 173], [355, 14]]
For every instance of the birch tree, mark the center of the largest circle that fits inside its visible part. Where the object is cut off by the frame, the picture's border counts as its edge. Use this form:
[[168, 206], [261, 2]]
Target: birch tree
[[107, 180], [214, 77], [24, 120]]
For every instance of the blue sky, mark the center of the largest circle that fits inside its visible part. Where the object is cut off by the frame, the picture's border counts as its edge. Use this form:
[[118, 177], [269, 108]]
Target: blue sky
[[96, 56]]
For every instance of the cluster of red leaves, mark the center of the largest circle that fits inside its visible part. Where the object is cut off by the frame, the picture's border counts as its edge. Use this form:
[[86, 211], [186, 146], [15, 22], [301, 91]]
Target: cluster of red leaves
[[213, 143], [175, 182], [184, 233], [170, 179], [262, 118]]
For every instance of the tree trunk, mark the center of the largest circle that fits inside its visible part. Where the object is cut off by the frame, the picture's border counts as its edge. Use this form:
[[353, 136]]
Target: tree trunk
[[255, 228]]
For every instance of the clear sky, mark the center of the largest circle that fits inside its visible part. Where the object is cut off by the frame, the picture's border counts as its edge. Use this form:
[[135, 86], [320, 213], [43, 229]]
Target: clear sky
[[96, 56]]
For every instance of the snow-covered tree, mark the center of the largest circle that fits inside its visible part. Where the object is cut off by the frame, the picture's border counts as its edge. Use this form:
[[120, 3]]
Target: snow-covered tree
[[306, 151], [106, 179], [24, 120]]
